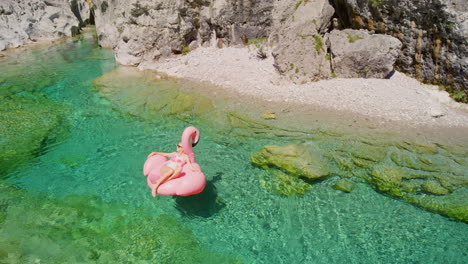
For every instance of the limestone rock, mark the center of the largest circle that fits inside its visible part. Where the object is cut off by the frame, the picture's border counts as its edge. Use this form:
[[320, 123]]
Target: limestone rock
[[434, 34], [356, 53], [298, 160], [300, 51], [134, 28], [36, 20]]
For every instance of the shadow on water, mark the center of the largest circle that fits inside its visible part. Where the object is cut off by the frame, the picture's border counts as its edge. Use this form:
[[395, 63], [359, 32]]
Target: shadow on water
[[205, 204]]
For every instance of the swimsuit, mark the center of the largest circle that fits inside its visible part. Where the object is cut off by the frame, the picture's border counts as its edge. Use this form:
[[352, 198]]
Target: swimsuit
[[175, 162]]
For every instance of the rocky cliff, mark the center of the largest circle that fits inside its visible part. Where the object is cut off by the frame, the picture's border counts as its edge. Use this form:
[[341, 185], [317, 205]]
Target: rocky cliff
[[434, 34], [23, 21], [309, 39], [431, 34]]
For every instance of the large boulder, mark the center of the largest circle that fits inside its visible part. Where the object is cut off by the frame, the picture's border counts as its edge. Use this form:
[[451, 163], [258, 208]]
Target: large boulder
[[434, 34], [300, 52], [37, 20], [356, 53]]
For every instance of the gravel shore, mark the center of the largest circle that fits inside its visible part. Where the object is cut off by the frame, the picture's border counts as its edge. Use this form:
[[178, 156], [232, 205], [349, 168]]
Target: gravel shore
[[399, 98]]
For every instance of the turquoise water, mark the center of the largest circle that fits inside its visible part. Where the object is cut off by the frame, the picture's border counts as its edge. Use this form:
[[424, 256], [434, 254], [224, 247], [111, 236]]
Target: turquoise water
[[82, 197]]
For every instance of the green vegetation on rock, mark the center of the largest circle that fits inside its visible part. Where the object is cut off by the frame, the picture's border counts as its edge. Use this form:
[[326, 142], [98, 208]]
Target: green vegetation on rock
[[344, 185], [353, 38], [318, 43], [387, 179], [298, 160], [284, 184], [257, 42], [185, 49]]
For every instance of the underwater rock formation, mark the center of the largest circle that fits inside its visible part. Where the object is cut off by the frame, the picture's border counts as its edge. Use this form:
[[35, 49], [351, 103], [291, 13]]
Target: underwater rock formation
[[23, 21], [430, 177], [143, 94], [25, 125], [85, 229], [299, 160]]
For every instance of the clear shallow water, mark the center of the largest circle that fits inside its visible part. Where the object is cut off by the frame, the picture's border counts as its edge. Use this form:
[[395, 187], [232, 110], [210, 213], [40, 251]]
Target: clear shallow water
[[83, 198]]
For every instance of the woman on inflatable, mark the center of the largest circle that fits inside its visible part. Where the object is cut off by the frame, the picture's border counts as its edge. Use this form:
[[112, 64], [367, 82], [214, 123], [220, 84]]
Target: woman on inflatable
[[173, 167], [181, 175]]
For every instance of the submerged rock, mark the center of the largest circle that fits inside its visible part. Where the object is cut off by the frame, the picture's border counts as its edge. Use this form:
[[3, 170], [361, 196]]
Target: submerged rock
[[453, 205], [299, 160], [344, 185], [433, 187], [84, 229], [145, 95], [284, 184], [386, 179]]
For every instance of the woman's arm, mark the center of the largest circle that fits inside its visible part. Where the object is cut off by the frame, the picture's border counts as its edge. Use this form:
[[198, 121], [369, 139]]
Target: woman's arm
[[167, 155]]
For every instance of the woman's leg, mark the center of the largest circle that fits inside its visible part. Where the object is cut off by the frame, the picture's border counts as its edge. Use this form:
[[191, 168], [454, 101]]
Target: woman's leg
[[166, 173]]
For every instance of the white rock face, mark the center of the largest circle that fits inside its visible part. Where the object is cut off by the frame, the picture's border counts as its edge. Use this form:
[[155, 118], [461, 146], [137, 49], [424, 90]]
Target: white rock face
[[23, 21], [300, 51]]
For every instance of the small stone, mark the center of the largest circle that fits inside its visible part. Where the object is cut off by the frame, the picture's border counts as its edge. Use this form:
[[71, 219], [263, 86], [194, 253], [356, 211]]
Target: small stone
[[269, 115], [344, 185], [2, 55]]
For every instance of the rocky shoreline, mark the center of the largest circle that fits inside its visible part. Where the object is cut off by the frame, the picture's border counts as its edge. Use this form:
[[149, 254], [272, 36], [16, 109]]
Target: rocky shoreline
[[239, 70]]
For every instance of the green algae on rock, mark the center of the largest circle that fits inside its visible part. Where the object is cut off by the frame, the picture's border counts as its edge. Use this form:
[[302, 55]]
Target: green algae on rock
[[433, 187], [26, 124], [82, 229], [284, 184], [344, 185], [453, 205], [298, 160], [386, 179], [399, 169]]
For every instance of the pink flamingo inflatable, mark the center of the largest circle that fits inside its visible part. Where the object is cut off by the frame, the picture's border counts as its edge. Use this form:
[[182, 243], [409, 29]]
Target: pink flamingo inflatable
[[188, 182]]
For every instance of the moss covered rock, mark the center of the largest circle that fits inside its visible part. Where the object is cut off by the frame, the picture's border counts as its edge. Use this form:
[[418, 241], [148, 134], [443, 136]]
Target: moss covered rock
[[344, 185], [386, 179], [453, 205], [283, 184], [433, 187], [297, 160]]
